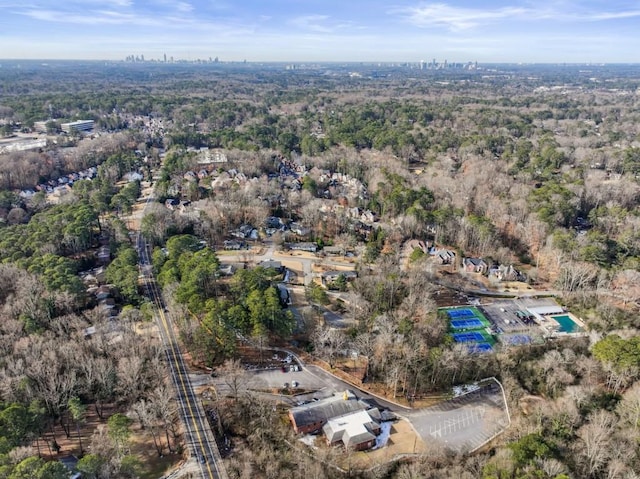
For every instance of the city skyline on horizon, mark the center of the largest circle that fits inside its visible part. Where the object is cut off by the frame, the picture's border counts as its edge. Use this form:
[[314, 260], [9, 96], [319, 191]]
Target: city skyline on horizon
[[555, 31]]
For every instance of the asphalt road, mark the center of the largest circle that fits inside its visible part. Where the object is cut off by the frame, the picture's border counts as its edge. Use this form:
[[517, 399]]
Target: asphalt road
[[198, 436]]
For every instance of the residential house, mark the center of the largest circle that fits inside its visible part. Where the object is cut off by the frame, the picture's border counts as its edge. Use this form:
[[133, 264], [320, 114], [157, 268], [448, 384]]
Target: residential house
[[274, 222], [58, 193], [133, 176], [305, 246], [207, 156], [277, 265], [332, 276], [190, 176], [233, 245], [443, 256], [414, 243], [474, 265], [506, 273], [26, 194], [222, 179], [227, 269], [245, 231], [298, 229], [103, 292], [333, 250]]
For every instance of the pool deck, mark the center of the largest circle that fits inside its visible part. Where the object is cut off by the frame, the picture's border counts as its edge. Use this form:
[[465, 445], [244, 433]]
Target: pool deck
[[556, 327]]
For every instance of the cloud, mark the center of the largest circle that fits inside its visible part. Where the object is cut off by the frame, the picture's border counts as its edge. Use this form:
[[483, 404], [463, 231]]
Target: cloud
[[106, 3], [116, 13], [311, 23], [184, 7], [96, 17], [455, 18], [612, 15]]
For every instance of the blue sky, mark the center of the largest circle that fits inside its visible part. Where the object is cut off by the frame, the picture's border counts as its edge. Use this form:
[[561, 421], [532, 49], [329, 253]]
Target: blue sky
[[323, 30]]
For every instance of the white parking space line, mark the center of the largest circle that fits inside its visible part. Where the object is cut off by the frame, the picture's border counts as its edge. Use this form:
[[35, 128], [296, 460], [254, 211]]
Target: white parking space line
[[459, 422]]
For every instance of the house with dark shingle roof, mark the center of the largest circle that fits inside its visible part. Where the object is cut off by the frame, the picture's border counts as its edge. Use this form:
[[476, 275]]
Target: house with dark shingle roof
[[475, 265]]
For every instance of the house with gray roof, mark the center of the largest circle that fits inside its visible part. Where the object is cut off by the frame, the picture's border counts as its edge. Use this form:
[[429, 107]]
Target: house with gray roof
[[332, 276], [313, 416]]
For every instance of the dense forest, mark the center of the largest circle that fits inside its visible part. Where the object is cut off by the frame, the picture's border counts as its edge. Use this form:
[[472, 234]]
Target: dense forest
[[535, 167]]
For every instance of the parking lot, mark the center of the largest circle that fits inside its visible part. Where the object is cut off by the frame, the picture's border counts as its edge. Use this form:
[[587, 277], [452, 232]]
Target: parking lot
[[464, 423], [270, 379], [502, 315]]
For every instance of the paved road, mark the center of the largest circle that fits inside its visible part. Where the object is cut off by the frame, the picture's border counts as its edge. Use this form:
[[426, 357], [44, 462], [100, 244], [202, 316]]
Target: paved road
[[199, 438]]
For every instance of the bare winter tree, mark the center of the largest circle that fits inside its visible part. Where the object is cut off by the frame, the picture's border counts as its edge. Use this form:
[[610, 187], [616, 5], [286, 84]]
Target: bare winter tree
[[596, 442], [577, 276], [629, 408], [235, 376], [328, 342]]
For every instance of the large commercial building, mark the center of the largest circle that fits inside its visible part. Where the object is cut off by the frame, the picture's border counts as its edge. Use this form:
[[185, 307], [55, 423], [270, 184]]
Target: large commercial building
[[80, 125]]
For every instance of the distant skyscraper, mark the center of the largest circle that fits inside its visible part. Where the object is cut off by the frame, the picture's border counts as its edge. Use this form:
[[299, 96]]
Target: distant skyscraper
[[165, 58]]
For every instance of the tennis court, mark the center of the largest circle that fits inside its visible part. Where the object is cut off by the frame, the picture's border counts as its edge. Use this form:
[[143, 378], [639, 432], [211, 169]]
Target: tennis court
[[460, 313], [517, 339], [471, 323], [467, 337], [480, 348]]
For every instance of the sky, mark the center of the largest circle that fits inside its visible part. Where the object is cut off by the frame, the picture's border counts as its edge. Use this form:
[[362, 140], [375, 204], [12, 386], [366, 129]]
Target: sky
[[323, 30]]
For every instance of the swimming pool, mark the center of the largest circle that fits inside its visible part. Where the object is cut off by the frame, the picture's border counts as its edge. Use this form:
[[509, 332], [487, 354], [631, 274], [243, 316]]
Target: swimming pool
[[567, 325]]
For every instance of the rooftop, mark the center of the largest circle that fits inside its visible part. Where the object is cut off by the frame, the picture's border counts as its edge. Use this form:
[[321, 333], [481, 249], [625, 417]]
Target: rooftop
[[352, 429], [321, 411]]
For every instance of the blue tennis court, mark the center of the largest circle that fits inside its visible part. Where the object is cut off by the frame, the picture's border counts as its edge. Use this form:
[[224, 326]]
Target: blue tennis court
[[480, 348], [517, 339], [460, 313], [472, 323], [467, 337]]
